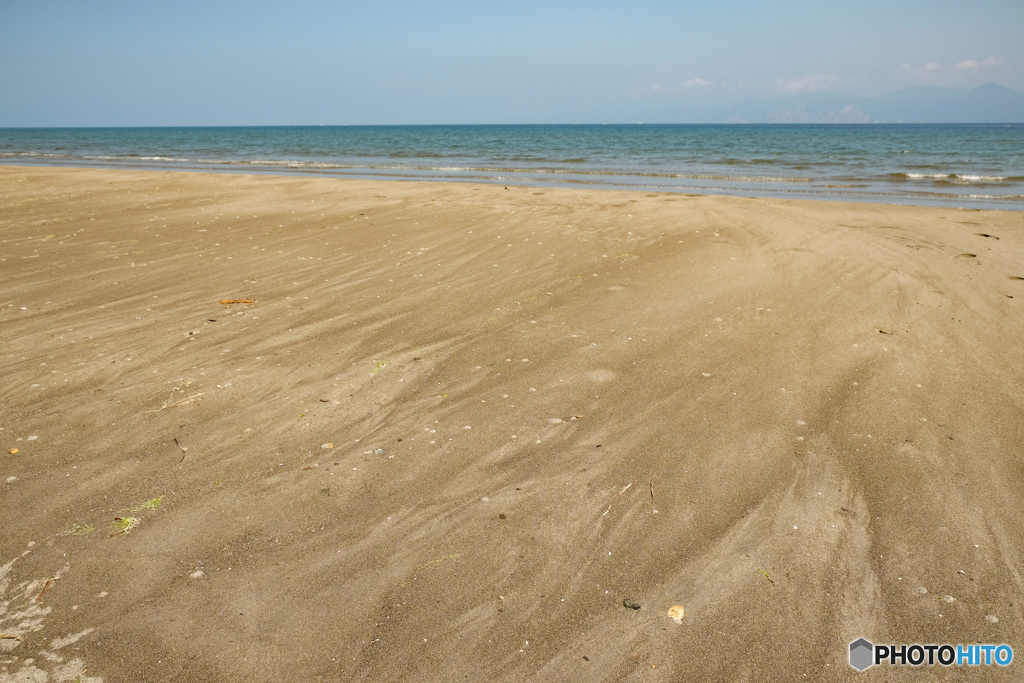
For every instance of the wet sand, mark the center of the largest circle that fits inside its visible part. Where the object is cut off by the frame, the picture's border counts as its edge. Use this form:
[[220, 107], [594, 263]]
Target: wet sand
[[459, 425]]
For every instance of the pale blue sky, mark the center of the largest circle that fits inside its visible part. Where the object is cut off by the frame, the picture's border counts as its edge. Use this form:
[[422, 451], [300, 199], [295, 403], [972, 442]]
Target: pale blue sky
[[113, 62]]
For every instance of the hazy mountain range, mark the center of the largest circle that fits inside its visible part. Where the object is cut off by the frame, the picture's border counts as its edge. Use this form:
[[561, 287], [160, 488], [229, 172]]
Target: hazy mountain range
[[989, 103]]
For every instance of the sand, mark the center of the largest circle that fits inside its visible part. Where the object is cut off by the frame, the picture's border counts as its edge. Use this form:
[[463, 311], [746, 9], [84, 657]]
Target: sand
[[459, 425]]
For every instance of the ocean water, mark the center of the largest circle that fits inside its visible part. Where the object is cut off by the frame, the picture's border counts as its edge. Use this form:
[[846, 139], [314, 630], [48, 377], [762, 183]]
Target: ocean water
[[976, 166]]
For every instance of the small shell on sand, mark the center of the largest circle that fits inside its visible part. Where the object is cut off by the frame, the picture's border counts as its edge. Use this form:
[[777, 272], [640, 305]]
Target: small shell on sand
[[327, 445], [13, 451], [676, 612]]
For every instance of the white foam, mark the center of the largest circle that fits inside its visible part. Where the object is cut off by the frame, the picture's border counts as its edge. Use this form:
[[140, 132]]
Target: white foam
[[966, 178]]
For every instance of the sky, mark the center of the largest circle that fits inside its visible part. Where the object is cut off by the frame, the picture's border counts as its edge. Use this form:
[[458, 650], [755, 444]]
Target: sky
[[306, 62]]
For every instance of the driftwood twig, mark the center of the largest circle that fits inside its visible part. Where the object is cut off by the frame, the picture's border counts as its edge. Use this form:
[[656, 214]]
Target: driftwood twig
[[613, 501], [183, 450], [187, 399], [46, 587]]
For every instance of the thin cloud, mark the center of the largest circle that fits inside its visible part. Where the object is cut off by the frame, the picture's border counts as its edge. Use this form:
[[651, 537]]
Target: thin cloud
[[695, 83], [937, 73], [658, 89], [813, 82], [968, 64]]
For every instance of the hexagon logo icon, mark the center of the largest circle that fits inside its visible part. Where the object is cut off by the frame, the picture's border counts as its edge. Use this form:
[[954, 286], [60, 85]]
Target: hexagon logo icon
[[861, 654]]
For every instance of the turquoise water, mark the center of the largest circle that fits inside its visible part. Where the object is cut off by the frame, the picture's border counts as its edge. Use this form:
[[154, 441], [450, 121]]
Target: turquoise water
[[978, 166]]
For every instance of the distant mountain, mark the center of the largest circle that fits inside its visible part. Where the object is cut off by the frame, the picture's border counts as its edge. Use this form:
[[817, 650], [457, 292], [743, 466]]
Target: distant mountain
[[989, 103]]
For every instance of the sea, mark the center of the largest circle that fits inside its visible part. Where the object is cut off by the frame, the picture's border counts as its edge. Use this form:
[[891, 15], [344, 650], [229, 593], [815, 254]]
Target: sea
[[970, 166]]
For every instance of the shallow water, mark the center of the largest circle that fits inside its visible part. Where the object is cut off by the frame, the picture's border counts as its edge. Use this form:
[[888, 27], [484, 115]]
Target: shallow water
[[978, 166]]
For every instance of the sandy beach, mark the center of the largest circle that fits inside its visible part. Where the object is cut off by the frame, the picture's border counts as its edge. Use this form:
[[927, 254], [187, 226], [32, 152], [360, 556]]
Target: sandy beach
[[458, 432]]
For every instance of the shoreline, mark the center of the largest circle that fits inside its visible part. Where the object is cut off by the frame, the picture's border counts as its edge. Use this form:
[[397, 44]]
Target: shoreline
[[935, 200], [936, 165], [459, 425]]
